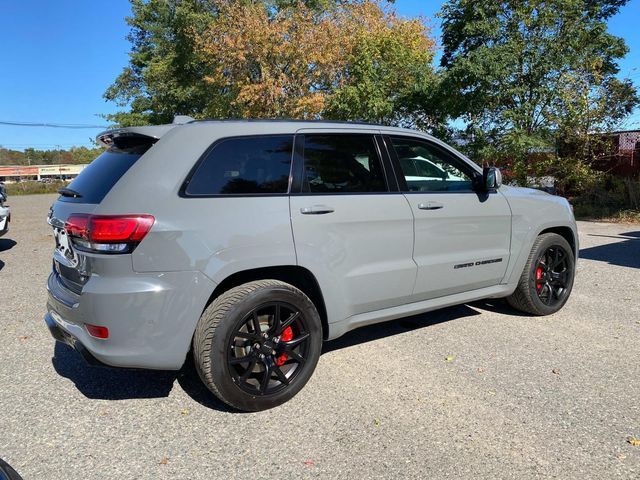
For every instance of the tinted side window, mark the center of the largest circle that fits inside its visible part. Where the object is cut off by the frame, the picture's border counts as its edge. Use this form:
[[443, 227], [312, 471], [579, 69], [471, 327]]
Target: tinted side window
[[244, 165], [337, 163], [429, 168], [99, 177]]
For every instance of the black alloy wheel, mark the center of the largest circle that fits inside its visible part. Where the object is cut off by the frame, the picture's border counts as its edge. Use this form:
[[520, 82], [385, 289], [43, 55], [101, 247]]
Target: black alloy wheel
[[547, 277], [257, 344], [268, 348], [552, 275]]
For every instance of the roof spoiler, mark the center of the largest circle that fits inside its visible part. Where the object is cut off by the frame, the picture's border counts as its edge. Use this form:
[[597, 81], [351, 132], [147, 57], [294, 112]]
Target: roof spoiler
[[109, 138]]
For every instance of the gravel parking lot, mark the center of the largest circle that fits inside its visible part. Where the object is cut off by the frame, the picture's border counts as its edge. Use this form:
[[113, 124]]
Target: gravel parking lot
[[475, 391]]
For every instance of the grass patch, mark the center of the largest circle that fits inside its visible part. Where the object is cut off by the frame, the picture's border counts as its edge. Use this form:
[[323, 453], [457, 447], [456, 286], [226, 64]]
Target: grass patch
[[601, 213], [30, 188]]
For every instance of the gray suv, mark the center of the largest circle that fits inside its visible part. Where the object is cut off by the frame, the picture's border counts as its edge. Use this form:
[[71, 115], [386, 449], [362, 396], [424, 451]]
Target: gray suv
[[248, 243]]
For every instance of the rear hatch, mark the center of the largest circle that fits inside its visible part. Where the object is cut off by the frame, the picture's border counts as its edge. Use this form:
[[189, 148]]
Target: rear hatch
[[73, 259]]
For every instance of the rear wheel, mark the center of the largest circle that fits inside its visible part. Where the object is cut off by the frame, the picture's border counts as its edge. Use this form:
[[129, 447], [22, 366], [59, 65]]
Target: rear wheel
[[257, 344], [547, 278], [8, 473]]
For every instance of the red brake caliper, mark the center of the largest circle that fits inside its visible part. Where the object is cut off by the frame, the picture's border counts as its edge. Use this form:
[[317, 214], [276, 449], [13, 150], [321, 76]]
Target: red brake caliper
[[287, 336], [538, 278]]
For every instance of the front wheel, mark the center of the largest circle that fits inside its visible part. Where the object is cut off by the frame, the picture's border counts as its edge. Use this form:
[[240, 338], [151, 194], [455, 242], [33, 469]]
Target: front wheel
[[547, 278], [257, 344]]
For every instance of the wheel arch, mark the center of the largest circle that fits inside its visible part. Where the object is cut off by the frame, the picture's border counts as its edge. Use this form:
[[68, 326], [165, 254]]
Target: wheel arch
[[566, 233], [295, 275]]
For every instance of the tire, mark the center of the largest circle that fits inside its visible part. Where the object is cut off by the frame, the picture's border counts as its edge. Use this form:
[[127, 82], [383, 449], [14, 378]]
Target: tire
[[7, 472], [540, 292], [256, 345]]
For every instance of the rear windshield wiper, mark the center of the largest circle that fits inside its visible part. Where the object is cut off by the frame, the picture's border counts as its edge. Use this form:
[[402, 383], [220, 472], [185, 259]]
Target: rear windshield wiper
[[68, 192]]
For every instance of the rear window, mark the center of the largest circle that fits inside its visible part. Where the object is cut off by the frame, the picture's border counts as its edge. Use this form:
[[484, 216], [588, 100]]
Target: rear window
[[99, 177], [244, 165]]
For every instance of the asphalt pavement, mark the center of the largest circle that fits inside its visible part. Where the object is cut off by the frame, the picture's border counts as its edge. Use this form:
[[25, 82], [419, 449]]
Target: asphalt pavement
[[475, 391]]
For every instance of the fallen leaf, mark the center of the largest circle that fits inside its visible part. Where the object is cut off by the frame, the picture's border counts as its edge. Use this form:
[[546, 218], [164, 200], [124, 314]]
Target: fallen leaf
[[449, 358], [480, 370], [185, 411], [376, 422], [163, 461], [634, 441], [24, 337], [556, 371]]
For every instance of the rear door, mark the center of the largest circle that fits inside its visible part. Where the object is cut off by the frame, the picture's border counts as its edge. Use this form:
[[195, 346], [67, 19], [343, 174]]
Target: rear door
[[352, 227], [462, 238]]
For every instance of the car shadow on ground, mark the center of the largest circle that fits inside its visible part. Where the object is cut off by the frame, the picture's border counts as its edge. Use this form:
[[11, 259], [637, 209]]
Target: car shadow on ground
[[399, 326], [104, 383], [118, 384], [110, 383], [624, 254], [7, 244]]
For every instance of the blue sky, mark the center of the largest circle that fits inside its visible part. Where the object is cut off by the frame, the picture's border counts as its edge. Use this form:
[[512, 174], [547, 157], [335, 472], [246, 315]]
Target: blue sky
[[58, 57]]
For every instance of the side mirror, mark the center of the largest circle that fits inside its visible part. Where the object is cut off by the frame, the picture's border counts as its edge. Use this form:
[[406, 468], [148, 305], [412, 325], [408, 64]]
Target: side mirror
[[491, 178]]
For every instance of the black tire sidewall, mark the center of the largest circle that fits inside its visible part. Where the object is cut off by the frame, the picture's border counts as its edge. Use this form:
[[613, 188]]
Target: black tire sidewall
[[9, 472], [220, 374], [551, 240]]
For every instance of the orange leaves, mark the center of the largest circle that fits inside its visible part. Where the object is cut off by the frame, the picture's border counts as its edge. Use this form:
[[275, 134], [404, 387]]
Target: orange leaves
[[289, 62]]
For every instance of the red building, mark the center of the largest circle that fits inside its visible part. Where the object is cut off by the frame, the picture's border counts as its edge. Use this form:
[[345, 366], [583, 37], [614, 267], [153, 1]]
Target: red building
[[623, 158]]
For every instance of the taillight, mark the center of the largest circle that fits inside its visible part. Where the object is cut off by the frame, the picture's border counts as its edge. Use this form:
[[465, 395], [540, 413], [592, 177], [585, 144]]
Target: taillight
[[108, 233]]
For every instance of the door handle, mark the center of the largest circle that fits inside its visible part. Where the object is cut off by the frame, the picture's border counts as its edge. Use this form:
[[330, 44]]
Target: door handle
[[430, 206], [316, 210]]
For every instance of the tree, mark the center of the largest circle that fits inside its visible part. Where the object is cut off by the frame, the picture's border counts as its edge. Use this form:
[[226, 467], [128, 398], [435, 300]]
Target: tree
[[31, 156], [267, 59], [525, 74], [356, 61], [164, 76], [388, 66]]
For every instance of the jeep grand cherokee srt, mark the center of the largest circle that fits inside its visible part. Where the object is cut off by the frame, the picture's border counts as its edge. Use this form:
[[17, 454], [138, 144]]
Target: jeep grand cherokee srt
[[248, 243]]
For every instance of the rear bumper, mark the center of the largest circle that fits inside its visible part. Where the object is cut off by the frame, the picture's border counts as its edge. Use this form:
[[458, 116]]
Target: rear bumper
[[65, 337], [151, 317]]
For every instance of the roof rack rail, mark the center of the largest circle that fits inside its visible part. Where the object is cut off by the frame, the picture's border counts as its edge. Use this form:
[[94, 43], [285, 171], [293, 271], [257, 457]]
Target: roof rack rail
[[348, 122]]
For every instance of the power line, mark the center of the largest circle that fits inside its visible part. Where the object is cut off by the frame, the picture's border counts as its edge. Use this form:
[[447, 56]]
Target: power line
[[51, 125]]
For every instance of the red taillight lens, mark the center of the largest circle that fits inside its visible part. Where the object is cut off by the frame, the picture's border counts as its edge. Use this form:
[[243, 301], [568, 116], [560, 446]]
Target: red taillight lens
[[109, 228], [97, 331], [119, 229], [77, 225], [108, 233]]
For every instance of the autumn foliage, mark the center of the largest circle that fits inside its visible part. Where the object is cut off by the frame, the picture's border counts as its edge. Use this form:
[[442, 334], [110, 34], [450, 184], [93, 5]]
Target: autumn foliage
[[356, 60]]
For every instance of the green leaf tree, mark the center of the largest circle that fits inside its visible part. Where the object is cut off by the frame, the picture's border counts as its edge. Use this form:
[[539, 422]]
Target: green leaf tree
[[164, 76], [526, 75]]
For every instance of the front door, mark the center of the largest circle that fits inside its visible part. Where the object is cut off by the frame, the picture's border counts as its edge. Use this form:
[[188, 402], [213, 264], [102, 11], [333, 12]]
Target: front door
[[462, 238]]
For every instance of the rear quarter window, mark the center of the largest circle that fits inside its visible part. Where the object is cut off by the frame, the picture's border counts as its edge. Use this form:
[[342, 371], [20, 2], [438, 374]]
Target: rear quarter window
[[99, 177], [243, 166]]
